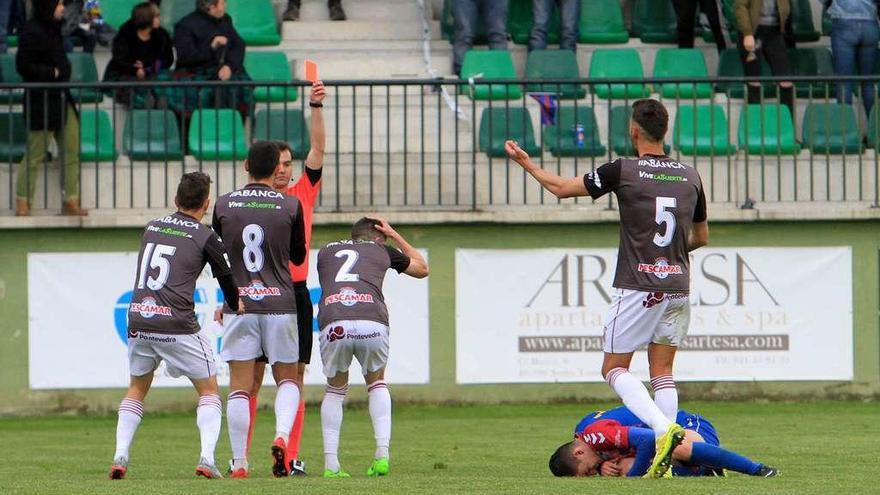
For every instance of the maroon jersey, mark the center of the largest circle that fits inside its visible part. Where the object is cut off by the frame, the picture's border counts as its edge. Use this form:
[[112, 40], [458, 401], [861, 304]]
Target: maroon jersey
[[174, 250], [263, 230], [660, 200], [351, 275]]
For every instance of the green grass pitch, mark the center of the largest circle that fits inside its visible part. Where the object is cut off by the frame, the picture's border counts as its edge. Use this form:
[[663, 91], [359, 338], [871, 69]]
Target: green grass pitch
[[820, 448]]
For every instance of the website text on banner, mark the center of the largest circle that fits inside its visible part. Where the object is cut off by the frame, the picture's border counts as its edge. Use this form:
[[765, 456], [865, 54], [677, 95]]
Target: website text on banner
[[78, 305], [756, 314]]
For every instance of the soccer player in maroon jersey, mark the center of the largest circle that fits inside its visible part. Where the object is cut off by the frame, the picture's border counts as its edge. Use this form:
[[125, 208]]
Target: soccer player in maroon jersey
[[662, 218], [306, 190], [162, 325]]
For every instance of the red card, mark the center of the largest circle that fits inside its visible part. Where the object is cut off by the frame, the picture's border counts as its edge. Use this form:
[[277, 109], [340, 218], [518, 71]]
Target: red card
[[311, 69]]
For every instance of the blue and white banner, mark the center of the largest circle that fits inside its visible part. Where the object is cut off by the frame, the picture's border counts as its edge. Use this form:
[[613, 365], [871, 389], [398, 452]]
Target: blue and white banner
[[78, 307]]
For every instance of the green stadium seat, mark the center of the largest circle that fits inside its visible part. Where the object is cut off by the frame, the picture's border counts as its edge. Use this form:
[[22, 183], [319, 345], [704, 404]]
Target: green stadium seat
[[826, 24], [560, 138], [618, 132], [8, 74], [702, 130], [873, 127], [13, 137], [270, 66], [520, 22], [802, 22], [97, 141], [602, 22], [83, 69], [682, 63], [486, 65], [175, 10], [500, 124], [831, 128], [289, 125], [554, 64], [217, 135], [12, 41], [730, 65], [255, 21], [116, 12], [815, 61], [619, 63], [767, 129], [654, 21], [152, 135]]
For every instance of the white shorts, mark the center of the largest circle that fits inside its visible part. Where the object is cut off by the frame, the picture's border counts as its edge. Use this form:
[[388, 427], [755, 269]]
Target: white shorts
[[249, 336], [638, 318], [184, 355], [365, 340]]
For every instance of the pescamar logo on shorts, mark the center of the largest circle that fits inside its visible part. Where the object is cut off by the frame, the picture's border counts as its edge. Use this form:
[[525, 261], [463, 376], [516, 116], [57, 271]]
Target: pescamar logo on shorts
[[661, 268], [257, 291], [148, 308], [347, 296]]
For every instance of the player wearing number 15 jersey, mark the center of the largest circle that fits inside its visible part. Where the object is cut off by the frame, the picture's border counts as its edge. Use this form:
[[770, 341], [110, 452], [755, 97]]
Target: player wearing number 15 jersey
[[662, 218], [354, 323], [263, 230], [162, 325]]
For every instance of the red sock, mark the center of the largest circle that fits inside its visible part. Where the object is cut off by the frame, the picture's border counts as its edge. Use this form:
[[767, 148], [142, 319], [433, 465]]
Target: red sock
[[296, 433], [253, 405]]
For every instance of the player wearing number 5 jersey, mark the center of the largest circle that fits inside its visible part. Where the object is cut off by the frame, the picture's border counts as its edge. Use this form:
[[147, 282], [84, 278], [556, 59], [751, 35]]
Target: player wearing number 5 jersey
[[662, 218], [354, 324], [162, 325], [263, 230]]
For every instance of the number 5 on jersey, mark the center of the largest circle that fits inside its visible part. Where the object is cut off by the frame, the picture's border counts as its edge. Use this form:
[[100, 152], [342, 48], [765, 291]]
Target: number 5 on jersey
[[663, 216]]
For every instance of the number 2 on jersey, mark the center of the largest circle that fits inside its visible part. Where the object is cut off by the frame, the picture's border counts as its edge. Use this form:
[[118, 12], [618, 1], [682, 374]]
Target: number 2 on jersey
[[252, 236], [344, 274], [664, 216], [154, 257]]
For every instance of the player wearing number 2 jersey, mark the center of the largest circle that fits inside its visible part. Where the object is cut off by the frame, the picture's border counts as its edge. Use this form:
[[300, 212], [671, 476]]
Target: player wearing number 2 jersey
[[263, 230], [354, 323], [162, 325], [662, 218]]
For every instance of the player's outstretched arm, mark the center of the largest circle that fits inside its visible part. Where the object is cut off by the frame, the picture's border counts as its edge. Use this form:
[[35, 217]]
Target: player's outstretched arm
[[315, 158], [560, 187], [418, 266]]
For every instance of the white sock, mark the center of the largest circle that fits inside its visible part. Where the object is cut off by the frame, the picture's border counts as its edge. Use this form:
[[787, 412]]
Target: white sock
[[209, 415], [286, 404], [131, 412], [666, 396], [637, 399], [238, 421], [380, 413], [331, 424]]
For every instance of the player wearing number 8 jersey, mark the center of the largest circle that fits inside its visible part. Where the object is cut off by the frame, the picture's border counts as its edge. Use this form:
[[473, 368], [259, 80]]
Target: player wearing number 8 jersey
[[354, 324], [263, 230], [662, 218], [162, 325]]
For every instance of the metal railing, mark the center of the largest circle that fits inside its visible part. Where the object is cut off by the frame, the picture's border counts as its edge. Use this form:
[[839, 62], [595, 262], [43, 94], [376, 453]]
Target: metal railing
[[426, 144]]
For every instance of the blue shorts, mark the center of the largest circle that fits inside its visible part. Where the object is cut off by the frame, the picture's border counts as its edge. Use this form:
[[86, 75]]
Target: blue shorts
[[706, 429]]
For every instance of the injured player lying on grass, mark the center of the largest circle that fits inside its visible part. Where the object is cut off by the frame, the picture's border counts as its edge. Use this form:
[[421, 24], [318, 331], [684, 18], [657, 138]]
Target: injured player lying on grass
[[617, 443]]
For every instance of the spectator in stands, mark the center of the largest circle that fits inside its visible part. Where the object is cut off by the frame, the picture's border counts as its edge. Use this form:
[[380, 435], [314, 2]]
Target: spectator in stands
[[84, 25], [854, 38], [466, 14], [210, 49], [570, 20], [686, 14], [11, 16], [335, 7], [50, 113], [765, 26], [142, 51]]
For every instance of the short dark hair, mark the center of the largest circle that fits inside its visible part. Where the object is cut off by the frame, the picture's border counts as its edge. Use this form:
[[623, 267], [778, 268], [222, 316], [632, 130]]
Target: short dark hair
[[563, 462], [142, 14], [283, 146], [652, 117], [365, 230], [205, 5], [193, 190], [262, 159]]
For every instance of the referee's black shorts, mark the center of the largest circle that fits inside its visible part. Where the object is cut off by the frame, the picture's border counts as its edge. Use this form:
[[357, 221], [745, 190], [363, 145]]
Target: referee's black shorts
[[304, 317]]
